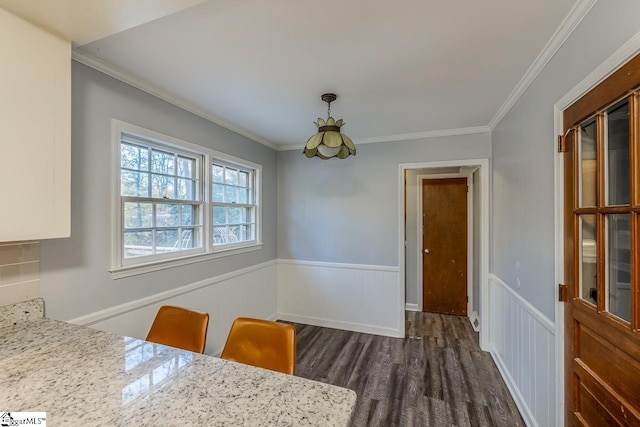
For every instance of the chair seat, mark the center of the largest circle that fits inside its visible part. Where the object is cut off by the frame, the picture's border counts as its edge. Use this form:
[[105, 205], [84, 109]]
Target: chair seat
[[262, 343], [181, 328]]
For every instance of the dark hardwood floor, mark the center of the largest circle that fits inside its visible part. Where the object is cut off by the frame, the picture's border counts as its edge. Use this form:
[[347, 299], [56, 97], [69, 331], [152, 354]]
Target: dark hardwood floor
[[436, 377]]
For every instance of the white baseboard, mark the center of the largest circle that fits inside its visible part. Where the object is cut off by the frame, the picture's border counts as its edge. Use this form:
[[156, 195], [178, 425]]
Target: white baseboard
[[411, 307], [346, 326], [523, 347], [474, 319], [525, 412]]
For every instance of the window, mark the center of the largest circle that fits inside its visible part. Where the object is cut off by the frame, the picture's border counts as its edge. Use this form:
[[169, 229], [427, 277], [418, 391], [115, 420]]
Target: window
[[176, 200], [161, 202], [233, 206]]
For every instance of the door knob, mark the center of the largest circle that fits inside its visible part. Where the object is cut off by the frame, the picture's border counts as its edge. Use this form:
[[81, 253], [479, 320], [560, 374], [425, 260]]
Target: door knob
[[426, 251]]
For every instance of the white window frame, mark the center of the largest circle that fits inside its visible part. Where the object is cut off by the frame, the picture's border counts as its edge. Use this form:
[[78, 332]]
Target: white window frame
[[121, 267], [252, 173], [199, 200]]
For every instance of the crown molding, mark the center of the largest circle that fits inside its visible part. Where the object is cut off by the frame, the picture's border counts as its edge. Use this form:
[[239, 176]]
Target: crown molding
[[421, 135], [137, 82], [132, 80], [405, 136], [566, 28], [620, 57]]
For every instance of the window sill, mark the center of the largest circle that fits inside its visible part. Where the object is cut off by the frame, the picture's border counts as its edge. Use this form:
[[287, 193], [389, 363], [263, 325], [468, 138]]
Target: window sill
[[134, 270]]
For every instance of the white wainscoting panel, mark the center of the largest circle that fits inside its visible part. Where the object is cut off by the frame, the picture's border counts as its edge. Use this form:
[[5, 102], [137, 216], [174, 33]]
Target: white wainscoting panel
[[250, 292], [523, 347], [361, 298]]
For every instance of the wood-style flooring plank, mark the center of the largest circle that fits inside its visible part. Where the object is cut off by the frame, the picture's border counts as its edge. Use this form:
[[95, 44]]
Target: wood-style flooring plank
[[437, 376]]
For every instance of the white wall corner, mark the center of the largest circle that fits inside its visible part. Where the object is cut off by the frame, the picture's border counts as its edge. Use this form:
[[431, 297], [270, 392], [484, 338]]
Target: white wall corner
[[352, 297]]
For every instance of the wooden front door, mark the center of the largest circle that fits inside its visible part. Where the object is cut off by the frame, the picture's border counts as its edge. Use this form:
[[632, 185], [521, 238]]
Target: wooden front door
[[602, 253], [444, 245]]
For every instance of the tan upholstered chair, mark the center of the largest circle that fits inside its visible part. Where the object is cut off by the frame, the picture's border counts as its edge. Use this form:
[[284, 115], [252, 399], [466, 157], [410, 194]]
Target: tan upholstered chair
[[262, 343], [180, 327]]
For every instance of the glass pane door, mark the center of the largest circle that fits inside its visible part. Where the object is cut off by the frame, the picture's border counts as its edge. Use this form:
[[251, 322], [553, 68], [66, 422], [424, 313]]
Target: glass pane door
[[618, 265], [587, 165], [588, 258], [617, 151], [617, 225]]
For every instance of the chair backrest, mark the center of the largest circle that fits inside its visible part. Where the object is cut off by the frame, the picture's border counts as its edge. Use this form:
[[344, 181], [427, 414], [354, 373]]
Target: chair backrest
[[180, 327], [262, 343]]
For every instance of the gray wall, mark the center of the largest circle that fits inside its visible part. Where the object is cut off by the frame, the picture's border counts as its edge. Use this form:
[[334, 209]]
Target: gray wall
[[523, 152], [346, 211], [74, 275]]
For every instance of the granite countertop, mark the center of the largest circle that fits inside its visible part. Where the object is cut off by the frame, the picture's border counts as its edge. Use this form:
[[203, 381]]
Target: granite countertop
[[81, 376]]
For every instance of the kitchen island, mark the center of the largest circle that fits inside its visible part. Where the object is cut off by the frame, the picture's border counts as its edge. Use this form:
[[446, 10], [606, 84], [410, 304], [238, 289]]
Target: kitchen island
[[81, 376]]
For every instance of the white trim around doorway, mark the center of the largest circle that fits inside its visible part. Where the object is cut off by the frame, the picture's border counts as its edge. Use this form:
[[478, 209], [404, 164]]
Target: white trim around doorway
[[484, 174]]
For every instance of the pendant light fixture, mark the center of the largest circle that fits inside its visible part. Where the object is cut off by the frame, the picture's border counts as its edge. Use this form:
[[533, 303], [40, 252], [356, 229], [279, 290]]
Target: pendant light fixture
[[329, 141]]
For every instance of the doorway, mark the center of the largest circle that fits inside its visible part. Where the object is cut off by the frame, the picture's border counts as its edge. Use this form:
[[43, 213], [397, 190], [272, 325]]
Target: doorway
[[410, 236], [445, 240]]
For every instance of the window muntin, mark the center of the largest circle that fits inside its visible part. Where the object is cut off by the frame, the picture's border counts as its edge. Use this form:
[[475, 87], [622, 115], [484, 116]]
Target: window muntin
[[147, 171], [233, 207], [153, 228], [160, 200], [164, 207]]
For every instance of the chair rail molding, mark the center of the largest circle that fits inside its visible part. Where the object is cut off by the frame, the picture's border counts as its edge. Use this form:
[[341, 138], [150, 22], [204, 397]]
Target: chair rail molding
[[224, 297]]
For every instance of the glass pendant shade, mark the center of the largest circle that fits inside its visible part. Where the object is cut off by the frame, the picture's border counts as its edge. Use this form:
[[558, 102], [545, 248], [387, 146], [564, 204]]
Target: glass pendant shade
[[329, 141]]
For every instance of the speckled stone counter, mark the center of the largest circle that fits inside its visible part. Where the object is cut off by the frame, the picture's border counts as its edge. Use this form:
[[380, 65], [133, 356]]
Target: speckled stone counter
[[21, 312], [80, 376]]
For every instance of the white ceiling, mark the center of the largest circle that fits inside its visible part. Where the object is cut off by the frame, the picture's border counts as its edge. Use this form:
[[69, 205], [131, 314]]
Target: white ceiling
[[399, 68], [84, 21]]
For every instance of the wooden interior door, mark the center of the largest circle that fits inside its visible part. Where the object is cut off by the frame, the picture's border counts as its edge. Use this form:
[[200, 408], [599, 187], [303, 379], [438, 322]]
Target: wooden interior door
[[602, 253], [444, 245]]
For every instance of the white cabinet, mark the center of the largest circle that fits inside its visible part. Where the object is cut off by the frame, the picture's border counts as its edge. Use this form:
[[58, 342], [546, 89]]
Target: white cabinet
[[35, 132]]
